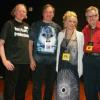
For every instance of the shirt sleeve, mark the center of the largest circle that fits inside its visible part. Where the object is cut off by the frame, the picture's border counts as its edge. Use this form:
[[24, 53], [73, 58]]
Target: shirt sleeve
[[4, 30], [60, 38], [32, 32]]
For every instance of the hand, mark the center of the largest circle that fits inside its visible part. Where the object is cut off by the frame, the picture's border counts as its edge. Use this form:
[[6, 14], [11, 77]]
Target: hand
[[9, 66], [33, 64]]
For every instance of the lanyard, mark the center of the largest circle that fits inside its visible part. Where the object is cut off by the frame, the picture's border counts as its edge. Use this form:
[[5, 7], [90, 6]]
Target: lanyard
[[67, 43], [91, 35]]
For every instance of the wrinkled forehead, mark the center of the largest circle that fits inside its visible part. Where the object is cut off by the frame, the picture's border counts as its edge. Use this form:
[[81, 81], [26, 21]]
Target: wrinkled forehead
[[21, 7]]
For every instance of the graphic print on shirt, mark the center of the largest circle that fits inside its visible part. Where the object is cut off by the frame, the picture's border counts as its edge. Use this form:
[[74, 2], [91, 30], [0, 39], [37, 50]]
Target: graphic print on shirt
[[46, 42], [67, 85], [21, 32]]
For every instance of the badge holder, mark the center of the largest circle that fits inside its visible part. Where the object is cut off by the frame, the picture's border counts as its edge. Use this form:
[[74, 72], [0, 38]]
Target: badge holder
[[89, 47], [66, 56]]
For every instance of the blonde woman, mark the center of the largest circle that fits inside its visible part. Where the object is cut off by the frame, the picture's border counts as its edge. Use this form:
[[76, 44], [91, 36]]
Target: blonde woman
[[69, 56]]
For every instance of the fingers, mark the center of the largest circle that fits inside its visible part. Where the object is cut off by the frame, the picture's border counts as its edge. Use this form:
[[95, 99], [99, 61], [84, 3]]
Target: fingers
[[9, 66], [33, 66]]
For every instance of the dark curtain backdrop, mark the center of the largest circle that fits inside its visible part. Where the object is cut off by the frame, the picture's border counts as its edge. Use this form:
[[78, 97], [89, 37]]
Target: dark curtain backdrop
[[61, 7]]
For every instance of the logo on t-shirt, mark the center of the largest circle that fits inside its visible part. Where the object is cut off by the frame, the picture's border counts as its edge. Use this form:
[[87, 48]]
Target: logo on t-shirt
[[47, 40], [21, 32]]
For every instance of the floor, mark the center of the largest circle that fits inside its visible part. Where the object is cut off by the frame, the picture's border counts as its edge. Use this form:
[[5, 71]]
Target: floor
[[29, 90]]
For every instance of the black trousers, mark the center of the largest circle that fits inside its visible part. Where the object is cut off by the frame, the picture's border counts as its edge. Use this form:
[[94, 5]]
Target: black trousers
[[2, 68], [91, 76], [16, 82], [43, 74]]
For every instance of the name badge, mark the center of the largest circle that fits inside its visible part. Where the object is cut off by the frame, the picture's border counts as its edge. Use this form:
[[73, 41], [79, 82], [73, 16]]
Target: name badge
[[89, 47], [66, 56]]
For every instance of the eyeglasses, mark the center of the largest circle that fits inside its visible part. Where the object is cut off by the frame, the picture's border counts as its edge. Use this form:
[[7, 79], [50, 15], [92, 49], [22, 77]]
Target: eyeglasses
[[92, 16]]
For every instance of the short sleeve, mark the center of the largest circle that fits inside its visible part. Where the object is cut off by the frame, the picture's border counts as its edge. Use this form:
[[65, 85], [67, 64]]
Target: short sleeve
[[5, 30], [32, 32]]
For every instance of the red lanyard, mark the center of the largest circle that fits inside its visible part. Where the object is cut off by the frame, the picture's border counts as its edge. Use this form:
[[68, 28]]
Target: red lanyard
[[91, 35]]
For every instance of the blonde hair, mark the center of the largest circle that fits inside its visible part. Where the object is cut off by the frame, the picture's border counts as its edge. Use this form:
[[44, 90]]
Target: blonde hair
[[69, 14], [92, 8], [14, 9]]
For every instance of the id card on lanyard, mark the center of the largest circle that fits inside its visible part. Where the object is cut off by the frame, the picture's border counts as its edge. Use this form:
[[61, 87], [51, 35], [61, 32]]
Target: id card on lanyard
[[66, 54], [89, 46]]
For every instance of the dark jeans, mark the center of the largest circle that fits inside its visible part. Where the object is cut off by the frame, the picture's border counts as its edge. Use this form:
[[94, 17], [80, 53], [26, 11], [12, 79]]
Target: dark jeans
[[46, 74], [2, 69], [16, 82], [91, 76]]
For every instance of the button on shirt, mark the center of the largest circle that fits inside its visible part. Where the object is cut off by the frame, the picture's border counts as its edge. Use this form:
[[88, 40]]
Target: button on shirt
[[95, 37]]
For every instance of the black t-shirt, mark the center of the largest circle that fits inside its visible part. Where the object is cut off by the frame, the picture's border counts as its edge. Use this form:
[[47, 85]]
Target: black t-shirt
[[16, 39], [44, 35]]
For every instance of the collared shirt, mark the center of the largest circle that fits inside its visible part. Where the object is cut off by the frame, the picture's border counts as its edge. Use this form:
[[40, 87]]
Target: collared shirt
[[95, 37]]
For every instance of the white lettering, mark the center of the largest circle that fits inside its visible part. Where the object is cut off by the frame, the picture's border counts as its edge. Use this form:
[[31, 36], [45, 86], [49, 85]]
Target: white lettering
[[21, 34], [25, 30]]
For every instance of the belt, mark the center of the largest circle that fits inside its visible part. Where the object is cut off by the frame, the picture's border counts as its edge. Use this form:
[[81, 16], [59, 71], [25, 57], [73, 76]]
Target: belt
[[92, 54]]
